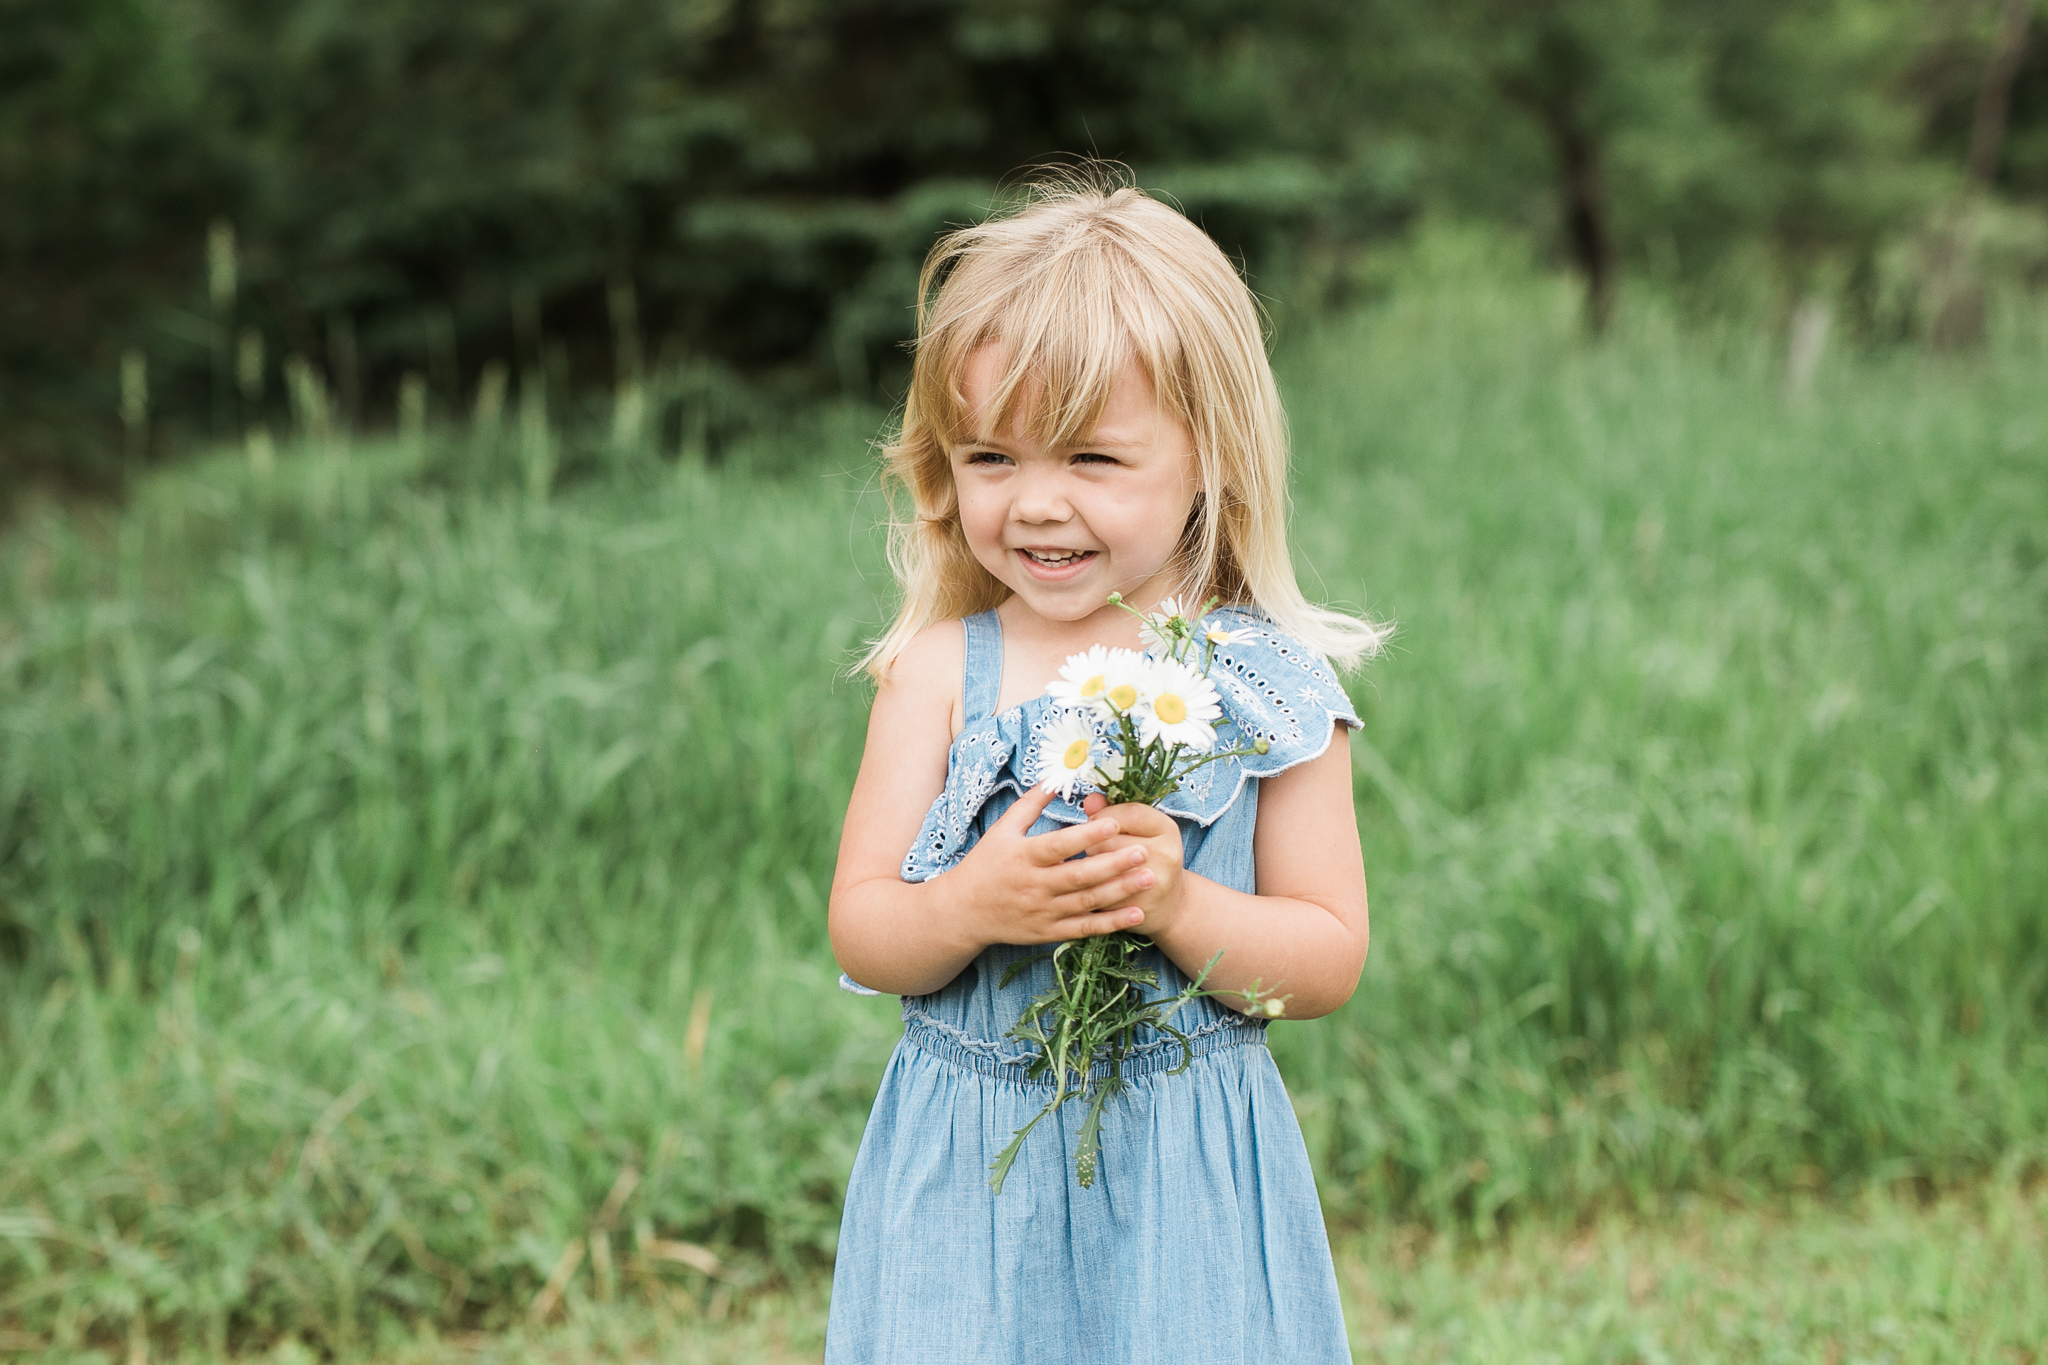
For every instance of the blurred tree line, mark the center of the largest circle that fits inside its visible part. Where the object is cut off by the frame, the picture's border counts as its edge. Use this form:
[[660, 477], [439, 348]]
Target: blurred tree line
[[212, 211]]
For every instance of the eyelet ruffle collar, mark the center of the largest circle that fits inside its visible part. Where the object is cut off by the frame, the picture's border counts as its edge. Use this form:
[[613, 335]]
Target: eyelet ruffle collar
[[1272, 686]]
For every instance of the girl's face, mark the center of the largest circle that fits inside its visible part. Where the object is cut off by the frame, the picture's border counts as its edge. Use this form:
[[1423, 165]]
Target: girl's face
[[1064, 527]]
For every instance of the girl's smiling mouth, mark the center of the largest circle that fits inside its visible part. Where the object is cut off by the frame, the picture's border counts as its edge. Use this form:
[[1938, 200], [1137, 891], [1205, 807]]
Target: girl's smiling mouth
[[1052, 563]]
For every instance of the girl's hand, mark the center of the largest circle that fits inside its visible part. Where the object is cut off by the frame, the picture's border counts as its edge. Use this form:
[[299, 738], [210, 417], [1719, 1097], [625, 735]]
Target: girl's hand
[[1019, 888], [1153, 832]]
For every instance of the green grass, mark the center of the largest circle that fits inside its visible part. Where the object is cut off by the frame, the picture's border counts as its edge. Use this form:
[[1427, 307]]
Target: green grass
[[390, 859], [1962, 1280]]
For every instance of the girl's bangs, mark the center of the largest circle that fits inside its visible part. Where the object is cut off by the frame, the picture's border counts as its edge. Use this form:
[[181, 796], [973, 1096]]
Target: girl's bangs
[[1064, 339]]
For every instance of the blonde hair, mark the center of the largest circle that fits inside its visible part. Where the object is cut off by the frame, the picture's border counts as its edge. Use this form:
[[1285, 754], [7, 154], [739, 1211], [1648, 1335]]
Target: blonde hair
[[1085, 276]]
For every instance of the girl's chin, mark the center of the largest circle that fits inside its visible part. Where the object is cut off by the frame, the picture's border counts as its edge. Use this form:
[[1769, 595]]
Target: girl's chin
[[1073, 596], [1064, 603]]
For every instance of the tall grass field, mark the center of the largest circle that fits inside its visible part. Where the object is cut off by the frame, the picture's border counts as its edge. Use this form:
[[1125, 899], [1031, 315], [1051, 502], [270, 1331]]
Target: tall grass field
[[413, 870]]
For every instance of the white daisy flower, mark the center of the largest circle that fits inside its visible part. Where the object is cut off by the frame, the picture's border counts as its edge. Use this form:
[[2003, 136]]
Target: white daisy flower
[[1177, 706], [1109, 767], [1219, 637], [1105, 680], [1163, 626], [1069, 752], [1082, 678], [1100, 678]]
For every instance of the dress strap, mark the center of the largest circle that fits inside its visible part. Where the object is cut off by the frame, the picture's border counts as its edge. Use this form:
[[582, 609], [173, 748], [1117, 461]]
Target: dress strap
[[983, 683]]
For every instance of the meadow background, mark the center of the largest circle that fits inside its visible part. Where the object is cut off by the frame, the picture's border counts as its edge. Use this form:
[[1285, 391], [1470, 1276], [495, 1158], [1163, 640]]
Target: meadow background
[[424, 725]]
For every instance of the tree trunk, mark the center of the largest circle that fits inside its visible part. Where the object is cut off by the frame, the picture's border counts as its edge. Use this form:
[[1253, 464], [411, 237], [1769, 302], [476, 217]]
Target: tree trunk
[[1994, 99], [1957, 296], [1588, 227]]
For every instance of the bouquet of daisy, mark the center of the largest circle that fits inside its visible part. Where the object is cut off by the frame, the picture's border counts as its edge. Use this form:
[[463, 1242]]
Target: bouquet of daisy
[[1134, 724]]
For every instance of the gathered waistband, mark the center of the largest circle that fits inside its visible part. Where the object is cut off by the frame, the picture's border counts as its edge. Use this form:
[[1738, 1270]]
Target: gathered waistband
[[1010, 1060]]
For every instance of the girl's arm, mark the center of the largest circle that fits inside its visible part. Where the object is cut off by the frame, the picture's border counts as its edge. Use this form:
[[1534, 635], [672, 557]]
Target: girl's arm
[[1304, 934], [907, 938]]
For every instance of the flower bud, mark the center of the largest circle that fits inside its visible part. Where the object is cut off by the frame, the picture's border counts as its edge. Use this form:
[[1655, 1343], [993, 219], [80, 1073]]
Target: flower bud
[[1275, 1007]]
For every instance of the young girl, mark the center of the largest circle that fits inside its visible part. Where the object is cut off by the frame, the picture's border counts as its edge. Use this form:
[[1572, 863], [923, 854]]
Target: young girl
[[1091, 412]]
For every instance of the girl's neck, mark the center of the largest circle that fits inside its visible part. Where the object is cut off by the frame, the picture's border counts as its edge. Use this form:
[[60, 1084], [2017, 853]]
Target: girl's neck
[[1108, 624], [1035, 646]]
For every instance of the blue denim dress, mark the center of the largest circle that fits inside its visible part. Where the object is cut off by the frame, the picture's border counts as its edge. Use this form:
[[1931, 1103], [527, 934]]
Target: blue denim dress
[[1201, 1241]]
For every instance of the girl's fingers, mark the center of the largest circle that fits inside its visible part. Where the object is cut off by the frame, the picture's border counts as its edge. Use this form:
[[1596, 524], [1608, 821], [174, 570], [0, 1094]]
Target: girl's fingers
[[1095, 925], [1141, 820], [1026, 809], [1059, 845], [1081, 873], [1062, 844], [1118, 891]]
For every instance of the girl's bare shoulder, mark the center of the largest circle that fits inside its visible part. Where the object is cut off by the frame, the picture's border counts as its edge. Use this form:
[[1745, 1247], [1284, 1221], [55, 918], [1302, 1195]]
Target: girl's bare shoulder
[[924, 681]]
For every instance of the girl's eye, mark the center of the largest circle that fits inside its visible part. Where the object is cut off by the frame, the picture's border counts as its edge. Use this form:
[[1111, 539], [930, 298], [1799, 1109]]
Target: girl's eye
[[1090, 457], [988, 457]]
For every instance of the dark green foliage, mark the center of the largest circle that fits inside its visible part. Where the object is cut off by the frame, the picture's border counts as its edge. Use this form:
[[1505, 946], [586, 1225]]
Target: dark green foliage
[[1668, 134], [590, 191], [549, 183]]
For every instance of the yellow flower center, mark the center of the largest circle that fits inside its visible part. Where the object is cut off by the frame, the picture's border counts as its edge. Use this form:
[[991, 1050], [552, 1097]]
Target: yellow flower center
[[1123, 696], [1092, 688], [1170, 708], [1076, 754]]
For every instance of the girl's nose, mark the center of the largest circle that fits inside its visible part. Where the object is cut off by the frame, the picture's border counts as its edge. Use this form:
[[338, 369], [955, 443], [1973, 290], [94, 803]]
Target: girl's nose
[[1040, 498]]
